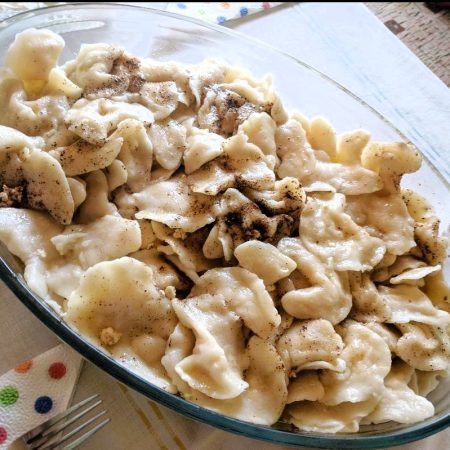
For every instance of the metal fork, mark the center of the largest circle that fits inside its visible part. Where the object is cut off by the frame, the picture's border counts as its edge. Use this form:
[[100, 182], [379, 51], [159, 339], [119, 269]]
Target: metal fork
[[49, 436]]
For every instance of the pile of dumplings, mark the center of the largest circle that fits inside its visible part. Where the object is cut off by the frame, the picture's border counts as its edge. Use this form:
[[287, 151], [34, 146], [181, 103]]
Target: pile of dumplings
[[248, 259]]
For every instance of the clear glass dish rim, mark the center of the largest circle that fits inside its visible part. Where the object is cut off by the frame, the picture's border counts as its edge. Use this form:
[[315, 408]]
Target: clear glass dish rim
[[90, 352]]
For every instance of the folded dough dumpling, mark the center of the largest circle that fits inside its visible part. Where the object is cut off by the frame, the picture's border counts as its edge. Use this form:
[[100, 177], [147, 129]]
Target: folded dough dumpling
[[168, 138], [322, 136], [422, 383], [389, 333], [82, 157], [350, 145], [116, 303], [203, 75], [245, 294], [286, 197], [13, 143], [201, 147], [415, 277], [264, 399], [22, 163], [332, 235], [409, 303], [159, 71], [240, 163], [317, 417], [12, 140], [27, 235], [264, 260], [47, 186], [346, 179], [94, 120], [223, 109], [164, 274], [438, 291], [305, 386], [238, 220], [309, 345], [218, 360], [260, 130], [391, 160], [32, 112], [84, 244], [424, 347], [186, 253], [78, 190], [59, 84], [97, 204], [426, 228], [368, 304], [328, 294], [341, 167], [136, 153], [116, 174], [91, 70], [406, 268], [34, 53], [368, 361], [161, 98], [384, 216], [173, 203], [398, 402], [297, 157]]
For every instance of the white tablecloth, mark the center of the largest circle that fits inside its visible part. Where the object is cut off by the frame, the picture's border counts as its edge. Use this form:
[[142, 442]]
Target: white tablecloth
[[347, 42]]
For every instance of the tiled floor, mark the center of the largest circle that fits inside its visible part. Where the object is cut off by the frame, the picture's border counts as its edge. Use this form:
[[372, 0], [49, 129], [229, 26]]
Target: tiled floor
[[425, 32]]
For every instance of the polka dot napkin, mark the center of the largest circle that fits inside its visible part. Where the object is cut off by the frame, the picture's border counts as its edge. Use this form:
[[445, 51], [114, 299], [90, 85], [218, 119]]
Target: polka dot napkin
[[219, 12], [35, 391]]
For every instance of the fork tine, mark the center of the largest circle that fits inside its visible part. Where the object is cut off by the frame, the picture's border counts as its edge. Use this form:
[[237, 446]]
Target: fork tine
[[59, 426], [61, 416], [86, 436], [53, 443]]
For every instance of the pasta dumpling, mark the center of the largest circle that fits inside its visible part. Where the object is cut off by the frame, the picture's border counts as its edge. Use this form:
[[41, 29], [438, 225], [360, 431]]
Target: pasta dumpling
[[27, 235], [217, 362], [34, 53], [342, 418], [246, 295], [327, 295], [309, 345], [173, 203], [117, 301], [47, 186], [368, 361], [399, 402], [264, 260], [424, 347], [328, 232], [91, 69]]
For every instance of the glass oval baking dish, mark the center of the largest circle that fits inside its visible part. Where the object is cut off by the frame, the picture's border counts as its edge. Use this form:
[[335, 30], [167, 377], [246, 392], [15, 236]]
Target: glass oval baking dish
[[164, 36]]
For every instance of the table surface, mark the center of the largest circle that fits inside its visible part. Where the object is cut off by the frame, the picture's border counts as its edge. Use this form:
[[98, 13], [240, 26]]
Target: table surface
[[413, 98], [425, 31]]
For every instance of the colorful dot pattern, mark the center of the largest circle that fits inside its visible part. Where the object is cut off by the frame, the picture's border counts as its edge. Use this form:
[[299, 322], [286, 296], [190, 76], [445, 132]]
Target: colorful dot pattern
[[43, 404], [57, 370], [220, 12], [3, 435], [8, 395], [24, 367], [36, 390]]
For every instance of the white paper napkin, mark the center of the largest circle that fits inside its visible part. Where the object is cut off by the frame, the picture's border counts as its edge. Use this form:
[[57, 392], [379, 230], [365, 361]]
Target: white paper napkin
[[35, 391]]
